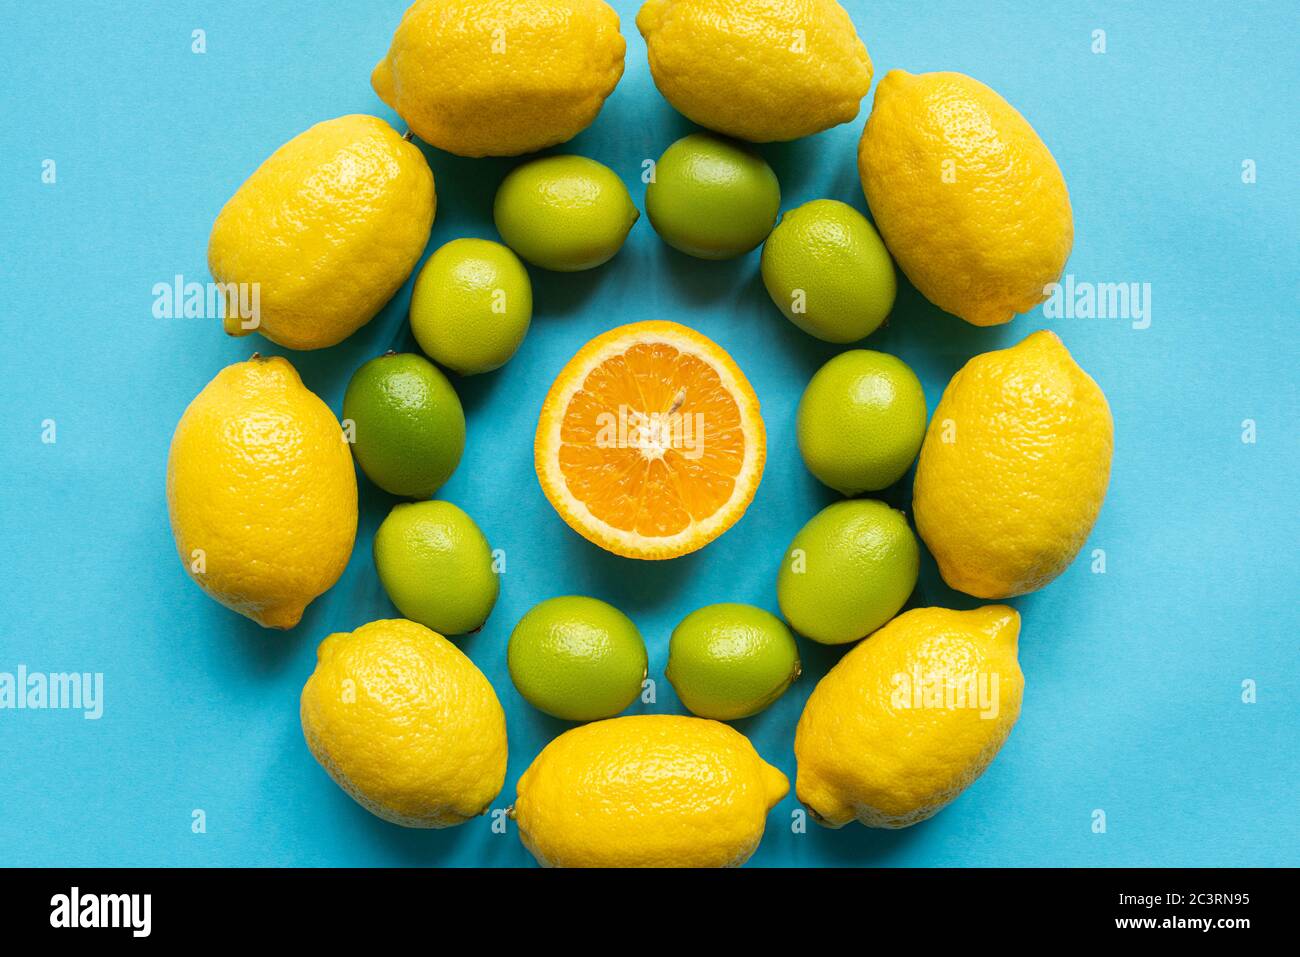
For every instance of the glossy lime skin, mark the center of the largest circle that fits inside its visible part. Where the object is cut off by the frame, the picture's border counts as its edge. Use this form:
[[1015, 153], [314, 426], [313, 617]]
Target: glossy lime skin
[[564, 213], [861, 421], [712, 197], [848, 571], [828, 271], [407, 422], [436, 566], [471, 306], [577, 658], [730, 661]]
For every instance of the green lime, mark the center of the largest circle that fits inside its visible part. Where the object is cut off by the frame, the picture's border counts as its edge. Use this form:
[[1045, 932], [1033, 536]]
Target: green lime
[[848, 571], [436, 566], [406, 423], [565, 213], [711, 197], [827, 270], [471, 305], [731, 661], [861, 421], [577, 658]]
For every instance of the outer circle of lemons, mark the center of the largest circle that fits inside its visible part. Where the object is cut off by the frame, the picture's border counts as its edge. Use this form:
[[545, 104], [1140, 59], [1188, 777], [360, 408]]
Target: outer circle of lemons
[[421, 782], [261, 492], [606, 470], [501, 77], [406, 724], [968, 199], [758, 71], [326, 230]]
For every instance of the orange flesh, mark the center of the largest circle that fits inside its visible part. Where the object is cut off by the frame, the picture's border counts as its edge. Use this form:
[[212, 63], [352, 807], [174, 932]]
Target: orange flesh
[[658, 491]]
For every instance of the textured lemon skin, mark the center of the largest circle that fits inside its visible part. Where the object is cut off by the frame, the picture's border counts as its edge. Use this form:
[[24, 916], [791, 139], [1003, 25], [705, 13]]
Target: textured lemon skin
[[329, 226], [261, 483], [967, 197], [1007, 504], [862, 756], [405, 724], [760, 70], [501, 77], [647, 791]]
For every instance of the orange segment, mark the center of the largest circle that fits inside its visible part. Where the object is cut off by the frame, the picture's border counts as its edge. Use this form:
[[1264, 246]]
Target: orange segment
[[650, 442]]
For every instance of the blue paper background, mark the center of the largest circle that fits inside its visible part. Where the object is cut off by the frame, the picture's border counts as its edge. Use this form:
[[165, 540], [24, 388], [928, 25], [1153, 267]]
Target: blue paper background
[[1134, 677]]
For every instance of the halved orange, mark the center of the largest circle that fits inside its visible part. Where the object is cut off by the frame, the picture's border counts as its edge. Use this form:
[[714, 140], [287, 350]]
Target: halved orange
[[650, 442]]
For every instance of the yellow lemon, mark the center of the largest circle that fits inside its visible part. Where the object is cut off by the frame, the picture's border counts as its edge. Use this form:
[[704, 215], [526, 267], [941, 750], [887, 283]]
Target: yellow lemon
[[910, 717], [405, 724], [326, 231], [647, 791], [968, 198], [772, 70], [1013, 469], [501, 77], [261, 492]]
